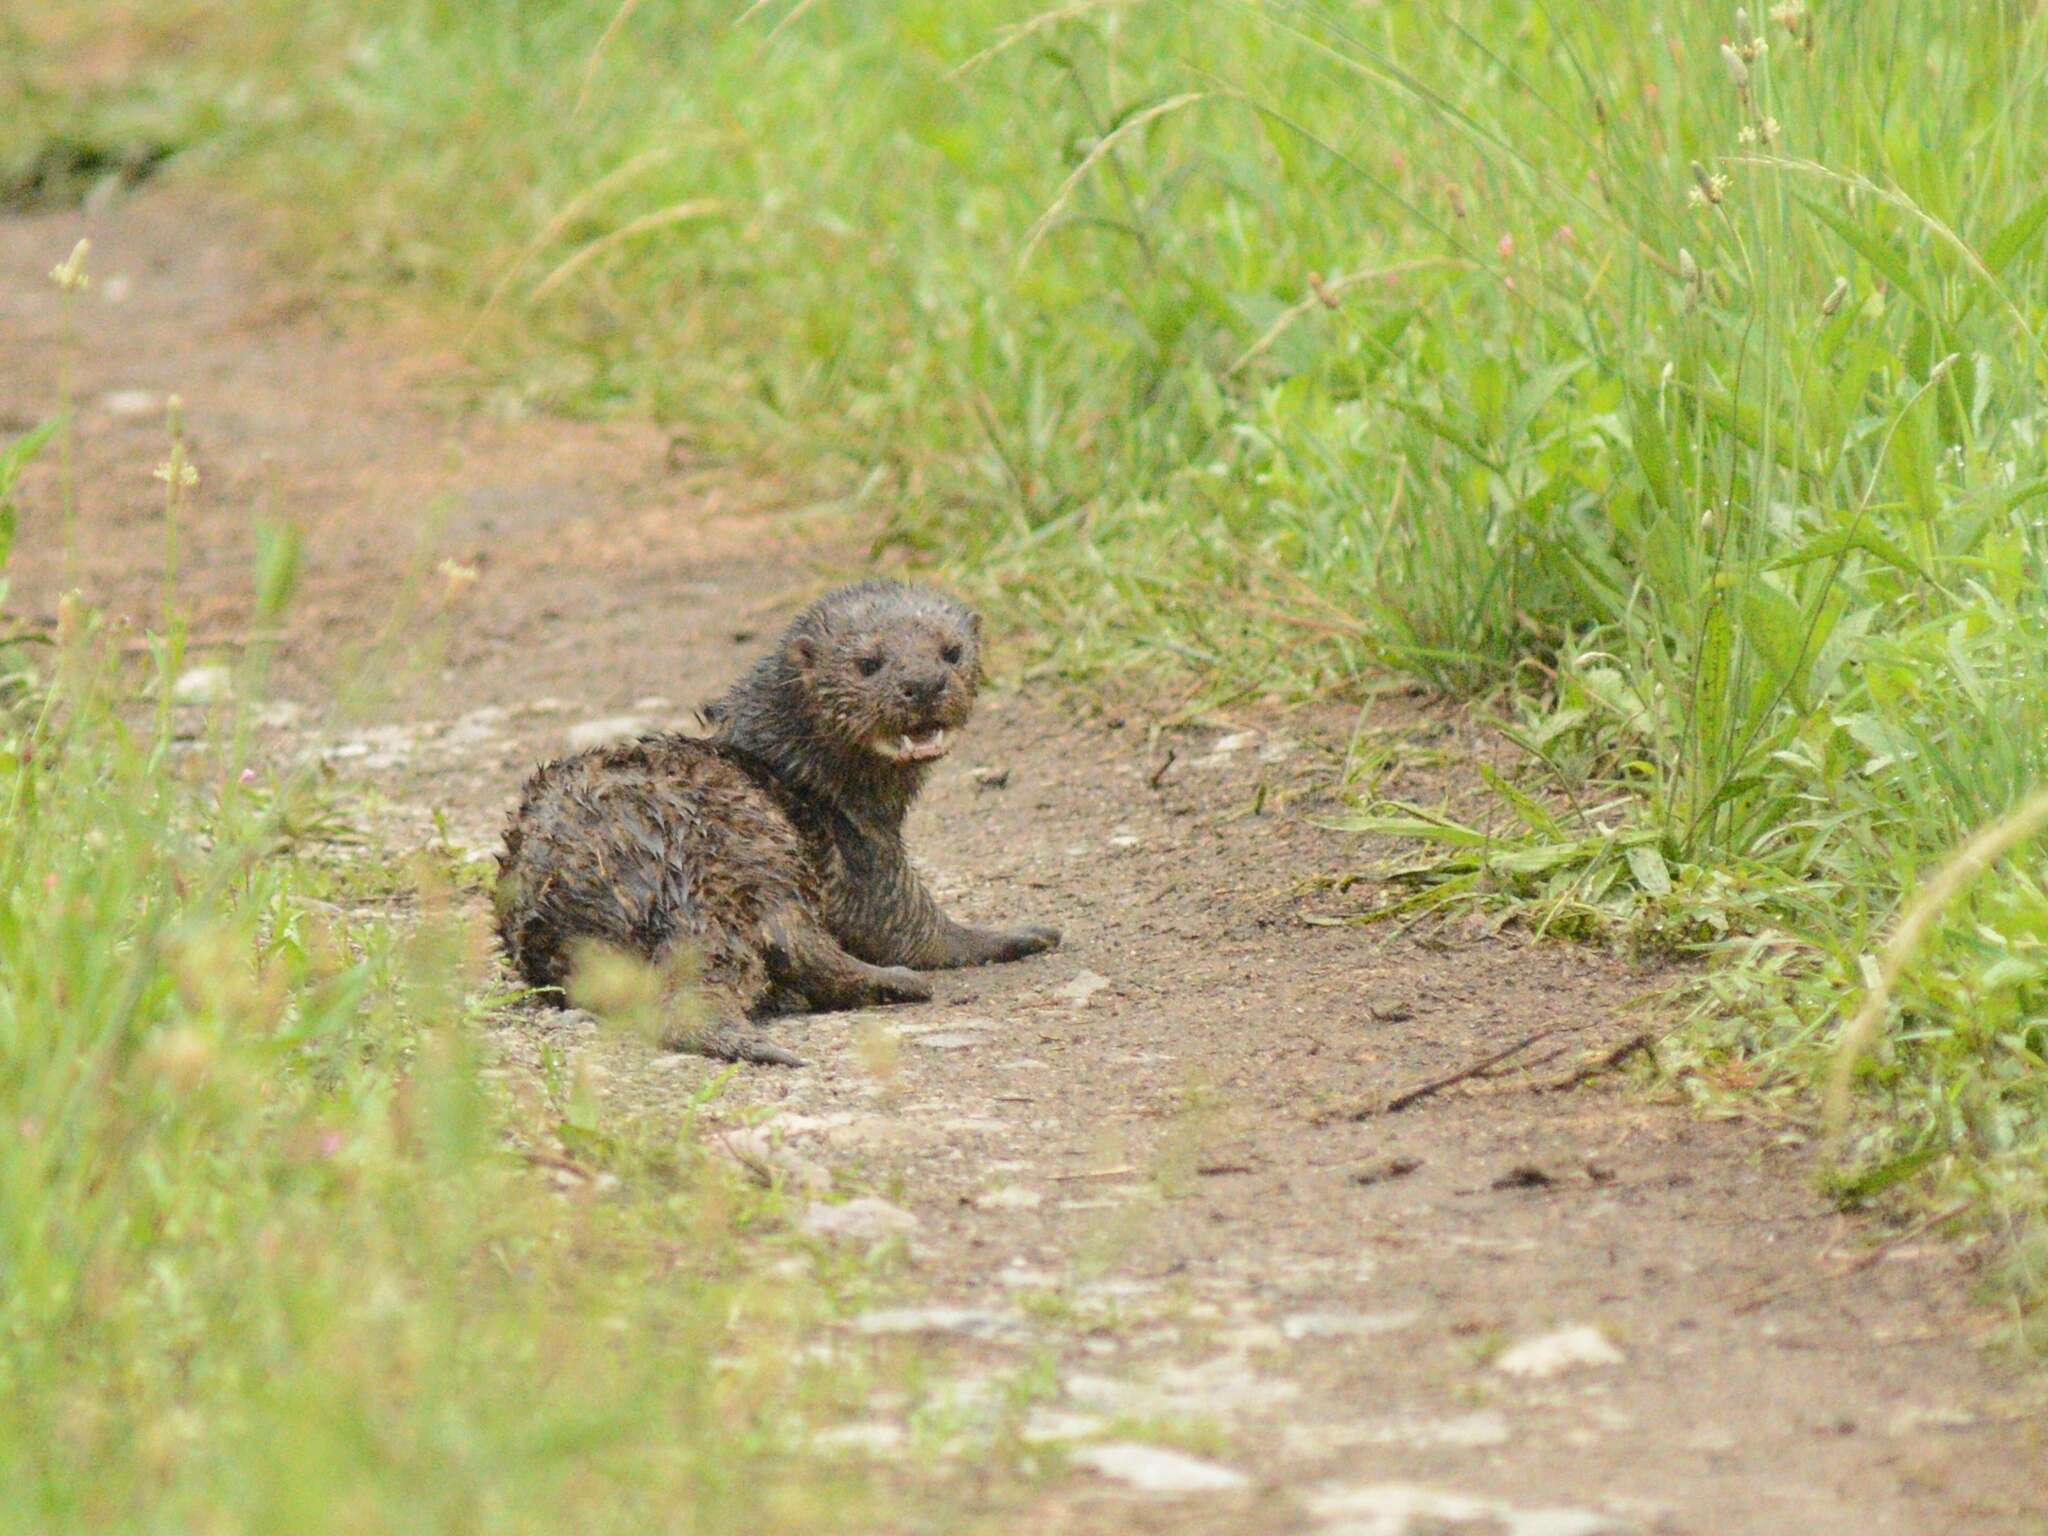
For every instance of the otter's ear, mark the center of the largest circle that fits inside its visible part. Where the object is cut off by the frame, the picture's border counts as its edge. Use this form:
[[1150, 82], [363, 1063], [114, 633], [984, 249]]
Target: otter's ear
[[974, 624], [802, 652]]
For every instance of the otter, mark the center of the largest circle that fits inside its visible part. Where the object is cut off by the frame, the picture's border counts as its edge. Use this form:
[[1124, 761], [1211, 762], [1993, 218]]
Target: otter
[[766, 861]]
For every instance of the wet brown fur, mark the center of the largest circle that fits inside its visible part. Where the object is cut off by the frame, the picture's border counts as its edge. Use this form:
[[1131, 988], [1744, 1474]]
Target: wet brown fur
[[770, 855]]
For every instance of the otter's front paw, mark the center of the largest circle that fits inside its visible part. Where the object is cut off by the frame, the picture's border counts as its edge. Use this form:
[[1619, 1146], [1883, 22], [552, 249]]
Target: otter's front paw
[[1031, 939], [899, 984]]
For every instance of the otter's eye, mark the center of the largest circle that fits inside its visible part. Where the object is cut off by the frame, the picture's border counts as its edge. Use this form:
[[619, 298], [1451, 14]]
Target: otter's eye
[[952, 655], [870, 665]]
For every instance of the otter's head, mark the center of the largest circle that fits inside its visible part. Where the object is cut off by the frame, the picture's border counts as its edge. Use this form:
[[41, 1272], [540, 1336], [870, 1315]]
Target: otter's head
[[860, 696], [886, 671]]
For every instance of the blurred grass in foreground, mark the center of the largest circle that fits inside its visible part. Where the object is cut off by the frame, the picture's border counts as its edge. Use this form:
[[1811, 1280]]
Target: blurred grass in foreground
[[272, 1253], [1671, 372]]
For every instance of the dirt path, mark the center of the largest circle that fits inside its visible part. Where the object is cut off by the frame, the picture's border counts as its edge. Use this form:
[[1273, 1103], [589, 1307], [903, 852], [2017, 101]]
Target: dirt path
[[1129, 1205]]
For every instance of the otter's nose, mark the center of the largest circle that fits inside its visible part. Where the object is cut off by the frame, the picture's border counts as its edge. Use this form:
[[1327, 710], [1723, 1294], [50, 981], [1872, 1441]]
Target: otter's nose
[[923, 689]]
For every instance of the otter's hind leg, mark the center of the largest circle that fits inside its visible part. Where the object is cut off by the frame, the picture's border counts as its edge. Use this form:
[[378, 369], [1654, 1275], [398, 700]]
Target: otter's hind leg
[[712, 1021], [803, 957]]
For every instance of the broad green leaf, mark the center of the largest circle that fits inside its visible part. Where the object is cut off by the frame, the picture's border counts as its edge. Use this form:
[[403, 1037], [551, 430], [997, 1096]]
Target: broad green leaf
[[2016, 236], [1776, 630], [1653, 450], [1650, 870], [1873, 249]]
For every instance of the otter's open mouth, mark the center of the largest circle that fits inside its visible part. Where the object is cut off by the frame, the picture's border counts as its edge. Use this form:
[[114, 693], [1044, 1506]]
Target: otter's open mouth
[[912, 746]]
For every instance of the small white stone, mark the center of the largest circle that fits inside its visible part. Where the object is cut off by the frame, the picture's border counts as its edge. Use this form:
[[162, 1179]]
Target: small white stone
[[1548, 1354], [1018, 1277], [865, 1220], [950, 1039], [1042, 1426], [1151, 1469], [597, 733], [129, 403], [203, 685], [1396, 1509], [874, 1438], [1236, 741], [1345, 1325], [1011, 1197], [1084, 986]]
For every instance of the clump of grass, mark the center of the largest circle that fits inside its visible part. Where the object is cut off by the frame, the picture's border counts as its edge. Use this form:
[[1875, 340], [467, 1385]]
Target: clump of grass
[[278, 1251], [1671, 371]]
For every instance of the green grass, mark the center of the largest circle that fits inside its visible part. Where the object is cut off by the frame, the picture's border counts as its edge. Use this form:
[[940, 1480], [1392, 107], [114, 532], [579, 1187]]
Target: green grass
[[1680, 394], [277, 1251]]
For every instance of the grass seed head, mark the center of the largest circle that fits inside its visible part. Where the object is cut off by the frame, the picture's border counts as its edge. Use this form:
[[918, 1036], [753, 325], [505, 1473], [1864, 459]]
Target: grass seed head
[[69, 274]]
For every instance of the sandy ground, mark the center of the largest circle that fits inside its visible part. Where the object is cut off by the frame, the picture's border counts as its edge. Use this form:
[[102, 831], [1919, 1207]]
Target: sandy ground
[[1134, 1168]]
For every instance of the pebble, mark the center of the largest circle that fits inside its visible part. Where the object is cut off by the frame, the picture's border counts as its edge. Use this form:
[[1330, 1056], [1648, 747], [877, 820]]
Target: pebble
[[1084, 986], [1011, 1197], [1403, 1509], [876, 1439], [203, 685], [1151, 1469], [950, 1039], [1548, 1354], [131, 402], [1042, 1426], [865, 1220], [1345, 1325]]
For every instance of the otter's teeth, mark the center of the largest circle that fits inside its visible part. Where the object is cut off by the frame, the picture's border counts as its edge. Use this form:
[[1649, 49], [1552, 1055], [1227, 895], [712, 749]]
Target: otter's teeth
[[907, 748]]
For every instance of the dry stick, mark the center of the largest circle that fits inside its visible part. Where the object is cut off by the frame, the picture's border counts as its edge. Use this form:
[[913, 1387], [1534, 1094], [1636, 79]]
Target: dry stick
[[1422, 1091], [1092, 1173], [1592, 1069]]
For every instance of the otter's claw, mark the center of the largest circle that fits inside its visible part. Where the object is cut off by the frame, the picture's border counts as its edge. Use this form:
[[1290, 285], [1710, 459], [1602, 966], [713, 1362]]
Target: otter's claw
[[1031, 939]]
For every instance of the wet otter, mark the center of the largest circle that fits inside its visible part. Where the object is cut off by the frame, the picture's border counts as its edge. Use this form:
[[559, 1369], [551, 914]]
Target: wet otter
[[771, 855]]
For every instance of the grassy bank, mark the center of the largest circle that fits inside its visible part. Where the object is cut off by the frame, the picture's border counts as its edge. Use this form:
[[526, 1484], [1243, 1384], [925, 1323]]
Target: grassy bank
[[1668, 373]]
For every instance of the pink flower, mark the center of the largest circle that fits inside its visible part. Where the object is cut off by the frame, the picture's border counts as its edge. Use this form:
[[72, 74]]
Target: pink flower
[[248, 775], [1507, 247]]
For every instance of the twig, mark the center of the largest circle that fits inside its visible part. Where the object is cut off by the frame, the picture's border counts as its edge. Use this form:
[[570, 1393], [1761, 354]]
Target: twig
[[1635, 1043], [1422, 1091], [1093, 1173], [1159, 773]]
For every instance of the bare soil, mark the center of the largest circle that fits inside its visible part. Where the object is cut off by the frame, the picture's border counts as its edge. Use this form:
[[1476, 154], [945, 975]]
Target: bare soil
[[1136, 1166]]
